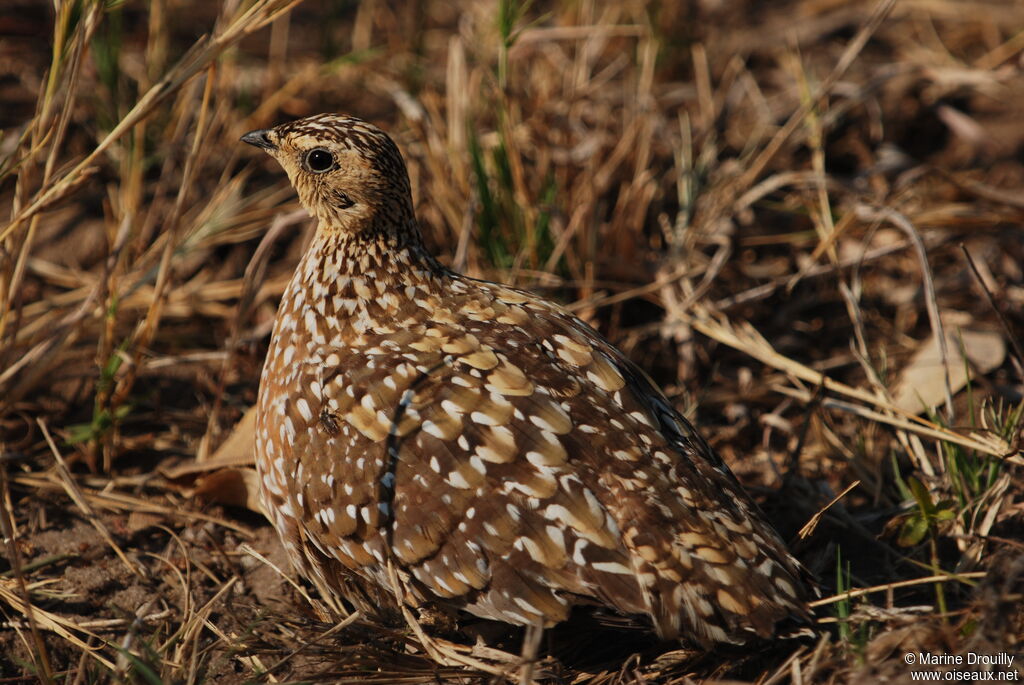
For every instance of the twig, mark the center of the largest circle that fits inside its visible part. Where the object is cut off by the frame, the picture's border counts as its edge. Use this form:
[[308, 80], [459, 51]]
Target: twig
[[757, 166], [198, 57], [809, 527], [746, 339], [943, 578], [9, 527], [78, 497], [931, 302], [337, 628], [1019, 358]]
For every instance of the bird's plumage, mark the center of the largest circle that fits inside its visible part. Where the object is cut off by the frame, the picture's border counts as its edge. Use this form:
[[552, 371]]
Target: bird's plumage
[[503, 456]]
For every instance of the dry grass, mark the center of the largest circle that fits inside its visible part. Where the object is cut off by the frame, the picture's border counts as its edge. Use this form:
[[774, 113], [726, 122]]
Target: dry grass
[[787, 212]]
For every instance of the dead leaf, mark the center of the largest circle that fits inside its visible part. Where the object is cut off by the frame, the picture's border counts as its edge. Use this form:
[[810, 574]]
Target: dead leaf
[[234, 487], [140, 520], [240, 447], [921, 385], [239, 450]]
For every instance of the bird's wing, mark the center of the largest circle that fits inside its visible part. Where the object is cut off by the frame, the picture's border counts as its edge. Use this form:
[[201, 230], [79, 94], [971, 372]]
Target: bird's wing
[[511, 461]]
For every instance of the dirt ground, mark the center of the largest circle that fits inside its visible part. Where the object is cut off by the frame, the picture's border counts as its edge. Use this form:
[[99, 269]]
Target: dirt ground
[[778, 210]]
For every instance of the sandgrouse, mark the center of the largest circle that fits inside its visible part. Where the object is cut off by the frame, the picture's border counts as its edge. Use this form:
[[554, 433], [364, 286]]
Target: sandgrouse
[[496, 450]]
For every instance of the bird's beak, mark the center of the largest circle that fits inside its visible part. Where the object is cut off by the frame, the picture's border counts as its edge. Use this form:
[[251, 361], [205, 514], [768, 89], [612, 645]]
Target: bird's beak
[[260, 139]]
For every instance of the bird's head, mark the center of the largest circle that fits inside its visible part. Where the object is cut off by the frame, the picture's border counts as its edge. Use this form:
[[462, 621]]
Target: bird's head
[[348, 173]]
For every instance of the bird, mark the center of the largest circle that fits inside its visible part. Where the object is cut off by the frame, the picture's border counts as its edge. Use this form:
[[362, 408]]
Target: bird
[[482, 444]]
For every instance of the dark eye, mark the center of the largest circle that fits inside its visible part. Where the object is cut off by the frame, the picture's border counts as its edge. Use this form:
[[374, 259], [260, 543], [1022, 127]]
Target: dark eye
[[319, 160]]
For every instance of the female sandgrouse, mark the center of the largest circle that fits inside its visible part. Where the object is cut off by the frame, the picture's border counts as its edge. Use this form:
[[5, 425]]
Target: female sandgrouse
[[503, 456]]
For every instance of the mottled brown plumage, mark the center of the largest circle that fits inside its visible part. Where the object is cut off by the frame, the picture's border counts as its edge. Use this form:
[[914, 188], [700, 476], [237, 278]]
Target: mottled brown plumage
[[498, 451]]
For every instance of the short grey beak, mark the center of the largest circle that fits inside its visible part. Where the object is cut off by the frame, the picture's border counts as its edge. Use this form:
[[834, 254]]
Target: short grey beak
[[259, 138]]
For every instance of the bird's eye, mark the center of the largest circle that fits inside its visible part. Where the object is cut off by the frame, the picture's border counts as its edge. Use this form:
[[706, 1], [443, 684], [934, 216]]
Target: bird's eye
[[319, 160]]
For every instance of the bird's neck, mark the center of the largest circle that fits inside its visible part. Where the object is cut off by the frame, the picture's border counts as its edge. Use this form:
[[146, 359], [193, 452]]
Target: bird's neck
[[361, 280], [389, 219], [386, 255]]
